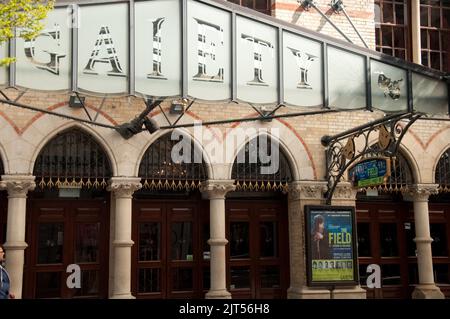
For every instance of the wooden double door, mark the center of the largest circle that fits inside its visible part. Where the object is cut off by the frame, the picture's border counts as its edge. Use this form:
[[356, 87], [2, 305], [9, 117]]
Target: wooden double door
[[258, 248], [170, 253], [62, 232]]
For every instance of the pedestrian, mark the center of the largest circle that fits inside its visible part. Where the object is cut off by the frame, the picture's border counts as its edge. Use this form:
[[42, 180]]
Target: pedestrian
[[5, 282]]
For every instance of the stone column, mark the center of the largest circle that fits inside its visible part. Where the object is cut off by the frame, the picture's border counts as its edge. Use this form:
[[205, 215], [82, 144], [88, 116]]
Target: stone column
[[345, 195], [216, 190], [301, 193], [123, 189], [17, 187], [415, 31], [426, 289]]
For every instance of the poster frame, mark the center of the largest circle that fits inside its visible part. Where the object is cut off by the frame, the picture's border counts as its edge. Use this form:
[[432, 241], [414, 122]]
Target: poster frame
[[324, 209]]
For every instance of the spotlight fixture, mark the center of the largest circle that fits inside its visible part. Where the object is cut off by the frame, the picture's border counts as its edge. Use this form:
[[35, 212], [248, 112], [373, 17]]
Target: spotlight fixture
[[306, 3], [127, 130], [76, 101], [264, 113], [151, 125], [337, 5], [178, 106]]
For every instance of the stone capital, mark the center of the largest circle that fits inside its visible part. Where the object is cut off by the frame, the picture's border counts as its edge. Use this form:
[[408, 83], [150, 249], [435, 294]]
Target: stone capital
[[421, 192], [299, 190], [124, 187], [344, 191], [217, 189], [18, 185]]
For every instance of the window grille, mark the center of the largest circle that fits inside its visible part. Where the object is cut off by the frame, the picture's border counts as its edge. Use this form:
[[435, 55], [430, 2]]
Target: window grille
[[72, 159], [442, 175], [248, 174], [158, 170]]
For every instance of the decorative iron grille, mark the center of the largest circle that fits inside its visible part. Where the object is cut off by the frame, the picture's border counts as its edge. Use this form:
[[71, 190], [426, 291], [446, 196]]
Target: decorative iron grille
[[248, 174], [442, 175], [401, 174], [72, 159], [158, 171]]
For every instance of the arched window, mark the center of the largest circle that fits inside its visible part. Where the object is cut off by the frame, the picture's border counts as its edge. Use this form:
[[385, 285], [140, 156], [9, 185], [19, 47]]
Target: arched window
[[159, 170], [72, 158], [442, 175], [257, 169]]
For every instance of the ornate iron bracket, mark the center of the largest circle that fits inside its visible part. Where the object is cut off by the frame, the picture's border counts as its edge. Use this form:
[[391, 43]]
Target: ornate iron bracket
[[344, 149]]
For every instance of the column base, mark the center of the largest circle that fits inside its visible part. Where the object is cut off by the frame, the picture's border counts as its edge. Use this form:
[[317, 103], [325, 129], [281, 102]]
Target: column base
[[123, 296], [427, 292], [307, 293], [218, 294], [354, 292]]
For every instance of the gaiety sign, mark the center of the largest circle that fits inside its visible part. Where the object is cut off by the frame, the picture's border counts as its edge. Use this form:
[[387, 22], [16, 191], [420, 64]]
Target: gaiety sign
[[208, 50]]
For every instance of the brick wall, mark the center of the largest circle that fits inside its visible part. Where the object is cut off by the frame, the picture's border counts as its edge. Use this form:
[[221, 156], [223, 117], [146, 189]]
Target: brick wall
[[361, 12], [425, 141]]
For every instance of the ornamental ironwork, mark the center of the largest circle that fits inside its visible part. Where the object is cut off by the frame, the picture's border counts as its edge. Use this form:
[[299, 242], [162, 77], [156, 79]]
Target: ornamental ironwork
[[247, 170], [159, 172], [72, 159], [442, 176], [345, 149]]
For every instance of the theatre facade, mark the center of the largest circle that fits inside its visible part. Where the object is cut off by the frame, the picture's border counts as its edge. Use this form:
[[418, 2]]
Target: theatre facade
[[214, 210]]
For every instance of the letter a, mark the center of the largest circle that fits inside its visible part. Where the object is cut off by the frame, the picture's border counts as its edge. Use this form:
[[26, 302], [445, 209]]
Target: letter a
[[104, 37], [74, 279], [374, 280]]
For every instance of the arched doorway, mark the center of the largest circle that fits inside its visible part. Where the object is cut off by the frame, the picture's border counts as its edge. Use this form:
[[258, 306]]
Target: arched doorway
[[68, 218], [257, 225], [439, 207], [385, 228], [170, 225]]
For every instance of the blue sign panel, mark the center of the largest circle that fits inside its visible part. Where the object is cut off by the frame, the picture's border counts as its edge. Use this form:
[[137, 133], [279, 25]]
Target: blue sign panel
[[370, 172]]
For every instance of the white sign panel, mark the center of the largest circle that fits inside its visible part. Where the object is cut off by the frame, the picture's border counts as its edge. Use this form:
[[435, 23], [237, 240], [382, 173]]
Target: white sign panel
[[257, 67], [3, 69], [209, 43], [346, 79], [158, 47], [302, 70], [389, 92], [43, 63], [103, 48]]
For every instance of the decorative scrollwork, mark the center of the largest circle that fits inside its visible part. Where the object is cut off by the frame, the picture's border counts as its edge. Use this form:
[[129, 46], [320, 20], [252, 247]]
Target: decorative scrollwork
[[341, 151]]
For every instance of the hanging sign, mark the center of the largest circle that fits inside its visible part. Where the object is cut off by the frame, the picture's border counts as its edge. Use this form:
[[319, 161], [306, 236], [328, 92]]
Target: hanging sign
[[370, 172], [331, 249]]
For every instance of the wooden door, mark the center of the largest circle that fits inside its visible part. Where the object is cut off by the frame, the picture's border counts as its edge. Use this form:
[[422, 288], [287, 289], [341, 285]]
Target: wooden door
[[64, 232], [258, 248], [170, 255], [383, 230], [3, 215]]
